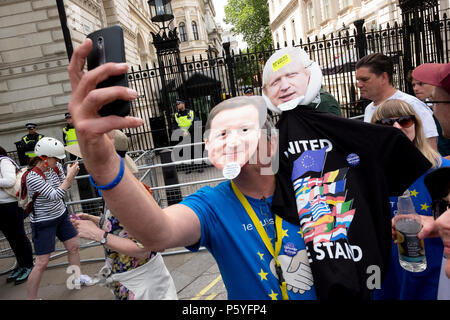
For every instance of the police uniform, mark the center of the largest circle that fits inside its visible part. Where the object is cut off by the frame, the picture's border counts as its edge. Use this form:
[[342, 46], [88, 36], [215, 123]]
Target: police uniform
[[29, 141], [69, 134], [184, 119]]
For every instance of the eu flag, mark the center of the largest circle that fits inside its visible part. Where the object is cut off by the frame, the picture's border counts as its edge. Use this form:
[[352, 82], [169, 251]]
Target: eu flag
[[310, 160]]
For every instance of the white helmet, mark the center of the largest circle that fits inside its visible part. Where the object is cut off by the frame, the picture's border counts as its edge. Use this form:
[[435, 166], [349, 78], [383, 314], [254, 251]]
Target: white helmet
[[50, 147]]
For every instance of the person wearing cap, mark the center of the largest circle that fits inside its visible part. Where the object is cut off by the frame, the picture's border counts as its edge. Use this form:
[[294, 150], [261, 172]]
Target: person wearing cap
[[50, 219], [132, 271], [335, 177], [424, 91], [438, 75], [374, 76], [29, 140], [249, 91], [69, 134], [184, 117]]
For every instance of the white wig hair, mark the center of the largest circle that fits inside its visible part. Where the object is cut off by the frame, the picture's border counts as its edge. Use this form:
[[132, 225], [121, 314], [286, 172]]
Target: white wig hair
[[298, 57]]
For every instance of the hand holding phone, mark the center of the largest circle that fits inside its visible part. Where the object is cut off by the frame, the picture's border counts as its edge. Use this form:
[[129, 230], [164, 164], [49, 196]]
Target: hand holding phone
[[73, 215], [108, 46]]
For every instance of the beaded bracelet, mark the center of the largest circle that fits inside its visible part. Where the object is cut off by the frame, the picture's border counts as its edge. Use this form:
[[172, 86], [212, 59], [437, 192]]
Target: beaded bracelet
[[115, 182]]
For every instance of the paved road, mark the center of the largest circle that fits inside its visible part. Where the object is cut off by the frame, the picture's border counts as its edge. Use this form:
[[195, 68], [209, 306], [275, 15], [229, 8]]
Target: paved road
[[196, 277]]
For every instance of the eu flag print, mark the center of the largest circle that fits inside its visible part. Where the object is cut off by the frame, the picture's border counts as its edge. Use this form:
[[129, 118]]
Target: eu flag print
[[324, 212]]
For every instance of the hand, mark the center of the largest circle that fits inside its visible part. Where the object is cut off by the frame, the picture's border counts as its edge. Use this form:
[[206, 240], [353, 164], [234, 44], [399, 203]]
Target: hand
[[429, 228], [73, 169], [97, 148], [296, 272], [443, 227], [87, 229], [85, 216]]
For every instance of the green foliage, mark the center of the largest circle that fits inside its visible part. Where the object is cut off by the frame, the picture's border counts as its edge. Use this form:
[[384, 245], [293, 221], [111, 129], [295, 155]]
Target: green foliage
[[250, 18]]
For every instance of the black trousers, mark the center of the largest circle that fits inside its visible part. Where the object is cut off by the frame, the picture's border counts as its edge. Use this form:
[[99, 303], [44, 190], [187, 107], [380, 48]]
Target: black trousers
[[11, 224]]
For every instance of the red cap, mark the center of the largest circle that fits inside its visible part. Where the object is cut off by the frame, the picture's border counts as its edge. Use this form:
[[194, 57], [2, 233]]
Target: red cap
[[436, 74]]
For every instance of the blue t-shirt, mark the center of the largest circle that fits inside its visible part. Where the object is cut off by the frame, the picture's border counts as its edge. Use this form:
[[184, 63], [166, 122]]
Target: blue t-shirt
[[246, 266], [400, 284]]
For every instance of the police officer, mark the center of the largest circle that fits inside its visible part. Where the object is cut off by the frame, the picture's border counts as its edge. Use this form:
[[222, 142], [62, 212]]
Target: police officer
[[249, 91], [184, 117], [29, 141], [69, 135]]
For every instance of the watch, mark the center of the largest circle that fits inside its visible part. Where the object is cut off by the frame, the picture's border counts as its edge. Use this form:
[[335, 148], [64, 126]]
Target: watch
[[105, 235]]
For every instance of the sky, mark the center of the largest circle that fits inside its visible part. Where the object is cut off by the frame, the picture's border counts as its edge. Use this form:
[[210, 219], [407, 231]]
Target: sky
[[219, 5]]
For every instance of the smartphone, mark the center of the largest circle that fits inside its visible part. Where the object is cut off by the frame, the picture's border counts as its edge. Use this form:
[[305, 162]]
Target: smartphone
[[108, 46], [73, 215]]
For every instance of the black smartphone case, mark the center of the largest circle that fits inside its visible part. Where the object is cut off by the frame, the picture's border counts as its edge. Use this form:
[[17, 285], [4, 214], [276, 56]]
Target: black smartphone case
[[108, 46]]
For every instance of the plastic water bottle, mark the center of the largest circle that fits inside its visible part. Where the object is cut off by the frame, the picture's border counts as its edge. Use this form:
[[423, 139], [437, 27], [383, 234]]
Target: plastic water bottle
[[411, 249]]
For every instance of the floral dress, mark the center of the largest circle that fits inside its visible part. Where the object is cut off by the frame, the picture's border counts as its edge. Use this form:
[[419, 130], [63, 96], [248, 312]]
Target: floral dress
[[120, 262]]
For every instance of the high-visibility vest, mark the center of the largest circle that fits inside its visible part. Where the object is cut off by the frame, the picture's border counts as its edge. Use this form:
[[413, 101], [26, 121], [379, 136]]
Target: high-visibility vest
[[70, 136], [30, 154], [185, 122]]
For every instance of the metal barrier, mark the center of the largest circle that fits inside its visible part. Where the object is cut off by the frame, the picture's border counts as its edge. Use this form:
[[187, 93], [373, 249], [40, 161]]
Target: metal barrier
[[151, 173]]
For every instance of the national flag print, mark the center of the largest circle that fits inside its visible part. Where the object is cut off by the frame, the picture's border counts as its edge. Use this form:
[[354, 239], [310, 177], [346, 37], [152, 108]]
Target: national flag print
[[330, 176], [309, 236], [307, 225], [316, 191], [304, 212], [339, 233], [342, 207], [334, 187], [303, 189], [325, 219], [335, 175], [319, 209], [324, 237], [299, 182], [302, 201], [314, 182], [345, 219], [334, 200], [323, 228]]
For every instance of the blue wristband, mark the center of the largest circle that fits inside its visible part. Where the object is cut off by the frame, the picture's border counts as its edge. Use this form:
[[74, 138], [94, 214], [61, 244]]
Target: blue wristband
[[115, 182]]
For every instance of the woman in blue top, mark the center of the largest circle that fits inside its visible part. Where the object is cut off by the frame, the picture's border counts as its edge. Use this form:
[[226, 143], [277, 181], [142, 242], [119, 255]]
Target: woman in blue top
[[399, 283]]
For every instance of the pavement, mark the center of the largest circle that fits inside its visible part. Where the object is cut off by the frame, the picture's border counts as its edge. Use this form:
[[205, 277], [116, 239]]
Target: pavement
[[196, 277]]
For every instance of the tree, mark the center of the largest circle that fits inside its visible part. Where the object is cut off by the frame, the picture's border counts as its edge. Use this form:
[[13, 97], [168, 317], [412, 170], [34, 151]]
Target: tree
[[250, 18]]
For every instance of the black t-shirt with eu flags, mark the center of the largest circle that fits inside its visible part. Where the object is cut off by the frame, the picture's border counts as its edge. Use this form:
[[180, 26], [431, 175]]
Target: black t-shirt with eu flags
[[335, 177]]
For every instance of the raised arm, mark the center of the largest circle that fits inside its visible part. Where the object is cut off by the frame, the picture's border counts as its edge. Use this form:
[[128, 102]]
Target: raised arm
[[129, 200]]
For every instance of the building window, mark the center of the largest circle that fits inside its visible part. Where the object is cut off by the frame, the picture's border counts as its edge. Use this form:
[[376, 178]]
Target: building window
[[346, 3], [326, 9], [294, 32], [195, 30], [312, 18], [183, 34]]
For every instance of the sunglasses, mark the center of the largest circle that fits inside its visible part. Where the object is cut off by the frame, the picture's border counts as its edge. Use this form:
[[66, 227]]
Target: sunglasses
[[439, 207], [404, 121]]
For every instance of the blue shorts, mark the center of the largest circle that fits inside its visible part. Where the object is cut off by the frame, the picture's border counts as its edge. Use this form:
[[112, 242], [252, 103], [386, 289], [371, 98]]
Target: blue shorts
[[45, 233]]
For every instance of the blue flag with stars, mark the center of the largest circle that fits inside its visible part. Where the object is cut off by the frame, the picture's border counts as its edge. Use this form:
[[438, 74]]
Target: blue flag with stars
[[310, 160]]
